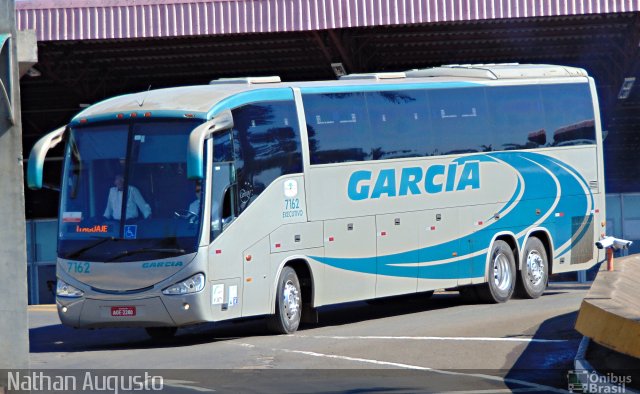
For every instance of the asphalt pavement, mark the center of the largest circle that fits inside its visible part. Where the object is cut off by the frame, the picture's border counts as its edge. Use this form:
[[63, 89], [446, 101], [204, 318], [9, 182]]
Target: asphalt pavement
[[405, 344]]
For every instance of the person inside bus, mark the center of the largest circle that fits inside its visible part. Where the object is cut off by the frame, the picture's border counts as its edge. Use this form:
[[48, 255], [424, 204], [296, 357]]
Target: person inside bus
[[194, 207], [135, 201]]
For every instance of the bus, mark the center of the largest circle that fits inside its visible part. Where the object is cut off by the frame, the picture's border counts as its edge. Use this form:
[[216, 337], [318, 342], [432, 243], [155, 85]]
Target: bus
[[256, 197]]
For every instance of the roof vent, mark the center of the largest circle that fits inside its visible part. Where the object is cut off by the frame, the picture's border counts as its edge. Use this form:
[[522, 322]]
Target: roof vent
[[245, 80], [375, 76]]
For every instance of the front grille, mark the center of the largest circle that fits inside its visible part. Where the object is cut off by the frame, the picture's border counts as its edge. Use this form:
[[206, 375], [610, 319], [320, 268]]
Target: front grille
[[121, 292]]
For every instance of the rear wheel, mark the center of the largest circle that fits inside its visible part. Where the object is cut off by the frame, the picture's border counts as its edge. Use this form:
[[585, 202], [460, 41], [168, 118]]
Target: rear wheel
[[534, 274], [161, 333], [288, 304], [502, 274]]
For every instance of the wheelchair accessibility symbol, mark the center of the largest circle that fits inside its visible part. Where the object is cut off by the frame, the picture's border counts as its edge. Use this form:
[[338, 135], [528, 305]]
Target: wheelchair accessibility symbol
[[130, 231]]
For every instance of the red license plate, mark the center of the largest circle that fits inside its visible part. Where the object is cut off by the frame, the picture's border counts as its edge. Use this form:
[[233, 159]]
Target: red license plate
[[123, 311]]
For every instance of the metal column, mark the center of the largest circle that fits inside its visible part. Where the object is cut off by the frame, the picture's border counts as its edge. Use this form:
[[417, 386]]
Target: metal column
[[14, 338]]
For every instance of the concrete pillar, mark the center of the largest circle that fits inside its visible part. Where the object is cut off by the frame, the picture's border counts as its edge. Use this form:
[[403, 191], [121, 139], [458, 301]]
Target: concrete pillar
[[14, 334]]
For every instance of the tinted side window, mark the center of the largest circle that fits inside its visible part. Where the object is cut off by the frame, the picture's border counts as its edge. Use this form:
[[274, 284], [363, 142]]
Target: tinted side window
[[517, 117], [338, 127], [569, 114], [460, 121], [266, 146], [400, 124]]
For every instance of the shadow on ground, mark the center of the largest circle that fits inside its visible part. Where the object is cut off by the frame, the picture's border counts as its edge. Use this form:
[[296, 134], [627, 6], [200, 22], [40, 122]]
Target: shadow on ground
[[549, 363]]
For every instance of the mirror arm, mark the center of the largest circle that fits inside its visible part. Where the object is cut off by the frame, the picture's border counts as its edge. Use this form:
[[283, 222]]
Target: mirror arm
[[38, 154], [195, 150]]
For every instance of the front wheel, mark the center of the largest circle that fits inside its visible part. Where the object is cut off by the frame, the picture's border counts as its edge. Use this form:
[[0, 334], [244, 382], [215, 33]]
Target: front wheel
[[534, 274], [288, 304], [501, 275]]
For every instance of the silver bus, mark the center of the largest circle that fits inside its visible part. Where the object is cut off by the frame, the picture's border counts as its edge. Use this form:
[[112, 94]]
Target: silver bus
[[256, 197]]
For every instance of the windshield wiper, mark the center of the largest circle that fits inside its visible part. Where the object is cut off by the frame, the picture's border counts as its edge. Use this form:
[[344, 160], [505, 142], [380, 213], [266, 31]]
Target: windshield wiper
[[83, 249], [145, 250]]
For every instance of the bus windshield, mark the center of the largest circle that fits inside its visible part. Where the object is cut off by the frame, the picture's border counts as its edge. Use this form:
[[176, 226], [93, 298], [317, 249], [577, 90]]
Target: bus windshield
[[144, 164]]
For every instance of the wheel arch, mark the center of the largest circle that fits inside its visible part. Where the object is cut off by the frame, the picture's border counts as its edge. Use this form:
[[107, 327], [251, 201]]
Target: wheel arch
[[301, 266]]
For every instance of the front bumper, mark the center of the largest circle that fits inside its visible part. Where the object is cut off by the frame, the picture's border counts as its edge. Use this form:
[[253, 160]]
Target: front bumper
[[151, 311]]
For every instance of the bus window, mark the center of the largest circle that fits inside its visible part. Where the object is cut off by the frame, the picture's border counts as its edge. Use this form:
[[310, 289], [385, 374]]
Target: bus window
[[338, 127], [400, 124], [222, 204], [460, 121], [517, 116], [266, 146], [568, 111]]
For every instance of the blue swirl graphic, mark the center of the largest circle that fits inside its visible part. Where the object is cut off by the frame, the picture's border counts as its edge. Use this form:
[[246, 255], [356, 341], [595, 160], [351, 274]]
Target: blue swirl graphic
[[548, 187]]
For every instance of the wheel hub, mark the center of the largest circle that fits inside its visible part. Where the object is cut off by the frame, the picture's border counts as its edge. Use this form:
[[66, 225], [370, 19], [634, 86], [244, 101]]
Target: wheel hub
[[535, 268], [291, 297], [501, 272]]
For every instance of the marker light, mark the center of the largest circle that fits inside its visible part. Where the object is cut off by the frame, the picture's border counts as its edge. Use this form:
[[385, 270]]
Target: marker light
[[192, 285], [64, 289]]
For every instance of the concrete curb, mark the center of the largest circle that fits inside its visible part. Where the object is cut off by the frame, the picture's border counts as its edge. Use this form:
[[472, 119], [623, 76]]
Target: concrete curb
[[42, 308], [580, 363], [610, 313]]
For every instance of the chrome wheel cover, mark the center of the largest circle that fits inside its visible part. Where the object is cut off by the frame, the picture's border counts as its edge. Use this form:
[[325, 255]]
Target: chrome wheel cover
[[502, 275], [291, 300], [535, 268]]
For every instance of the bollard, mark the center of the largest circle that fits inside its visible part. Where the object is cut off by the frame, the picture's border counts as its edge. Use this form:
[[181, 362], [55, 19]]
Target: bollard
[[609, 259]]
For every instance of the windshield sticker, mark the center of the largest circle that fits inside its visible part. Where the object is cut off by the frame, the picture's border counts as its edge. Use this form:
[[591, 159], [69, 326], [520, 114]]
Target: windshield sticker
[[71, 217], [233, 296], [93, 229], [130, 231], [290, 188], [217, 294], [245, 194]]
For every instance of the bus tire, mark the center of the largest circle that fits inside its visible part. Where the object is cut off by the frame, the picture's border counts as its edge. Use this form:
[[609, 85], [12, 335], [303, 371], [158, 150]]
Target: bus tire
[[534, 275], [288, 304], [161, 334], [501, 275]]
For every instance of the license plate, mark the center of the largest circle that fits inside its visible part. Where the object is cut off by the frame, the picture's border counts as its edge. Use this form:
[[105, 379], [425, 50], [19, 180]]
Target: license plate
[[123, 311]]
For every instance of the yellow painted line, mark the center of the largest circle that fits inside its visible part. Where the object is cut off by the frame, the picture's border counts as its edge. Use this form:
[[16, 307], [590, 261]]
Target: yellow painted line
[[609, 329], [42, 308]]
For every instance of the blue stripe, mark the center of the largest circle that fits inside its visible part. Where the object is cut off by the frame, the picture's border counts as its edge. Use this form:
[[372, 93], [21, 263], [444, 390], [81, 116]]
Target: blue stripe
[[539, 194]]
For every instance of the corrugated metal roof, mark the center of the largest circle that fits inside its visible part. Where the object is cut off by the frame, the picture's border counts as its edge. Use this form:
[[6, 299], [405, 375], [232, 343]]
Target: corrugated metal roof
[[115, 19]]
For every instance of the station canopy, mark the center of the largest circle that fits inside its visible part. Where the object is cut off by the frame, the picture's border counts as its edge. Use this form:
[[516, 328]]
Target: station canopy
[[88, 52]]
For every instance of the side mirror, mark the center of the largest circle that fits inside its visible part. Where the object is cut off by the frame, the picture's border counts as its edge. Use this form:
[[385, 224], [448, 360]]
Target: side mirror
[[37, 155], [195, 152]]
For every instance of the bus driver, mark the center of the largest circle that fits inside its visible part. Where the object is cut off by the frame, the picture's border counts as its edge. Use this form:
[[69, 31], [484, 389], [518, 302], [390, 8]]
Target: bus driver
[[135, 201]]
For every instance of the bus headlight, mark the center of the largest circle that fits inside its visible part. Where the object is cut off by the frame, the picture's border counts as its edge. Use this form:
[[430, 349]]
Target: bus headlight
[[192, 285], [63, 289]]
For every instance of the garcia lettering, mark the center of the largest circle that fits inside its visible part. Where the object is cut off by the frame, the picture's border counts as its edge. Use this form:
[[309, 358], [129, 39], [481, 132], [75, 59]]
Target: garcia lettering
[[435, 179]]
